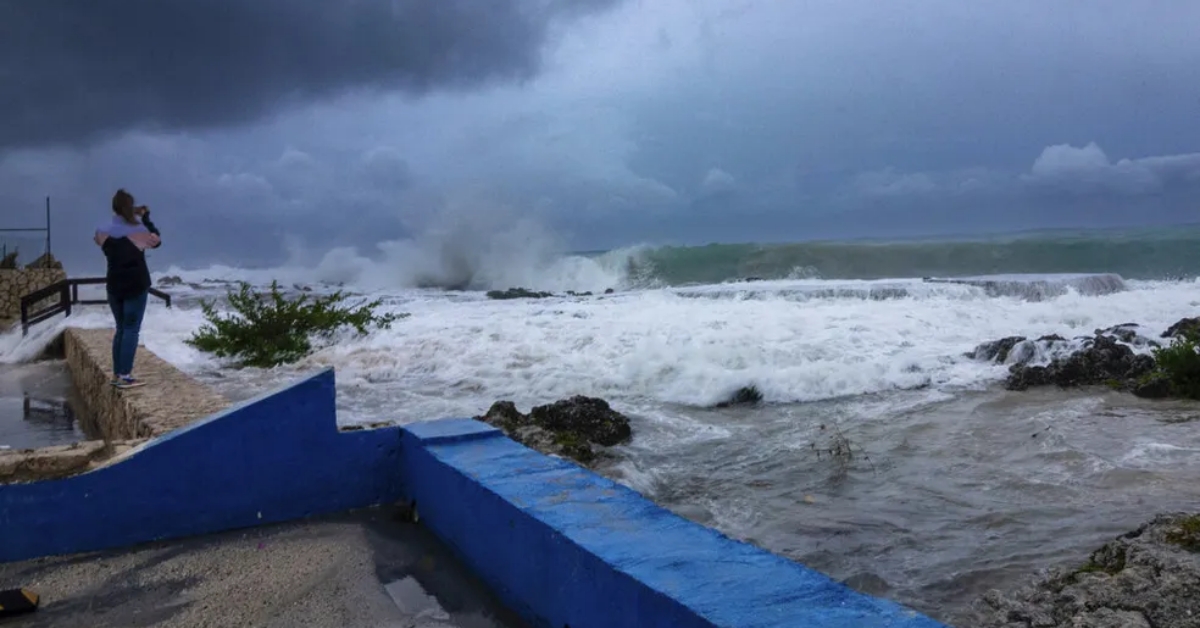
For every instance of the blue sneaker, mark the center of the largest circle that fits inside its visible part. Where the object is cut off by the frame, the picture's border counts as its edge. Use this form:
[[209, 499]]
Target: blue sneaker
[[128, 381]]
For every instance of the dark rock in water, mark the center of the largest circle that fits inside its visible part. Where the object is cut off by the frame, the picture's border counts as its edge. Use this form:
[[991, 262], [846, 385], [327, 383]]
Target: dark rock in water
[[608, 291], [1125, 332], [568, 428], [1102, 360], [1052, 338], [1155, 385], [517, 293], [996, 350], [519, 427], [1183, 327], [744, 396], [579, 294], [1023, 377], [589, 417], [1146, 578], [453, 285], [504, 415], [170, 280]]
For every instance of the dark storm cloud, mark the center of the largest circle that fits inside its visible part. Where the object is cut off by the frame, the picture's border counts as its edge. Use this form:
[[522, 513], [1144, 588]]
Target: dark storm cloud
[[75, 70]]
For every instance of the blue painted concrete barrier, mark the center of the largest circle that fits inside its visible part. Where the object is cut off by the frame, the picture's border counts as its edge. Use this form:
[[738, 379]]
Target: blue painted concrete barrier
[[566, 547], [274, 458], [560, 545]]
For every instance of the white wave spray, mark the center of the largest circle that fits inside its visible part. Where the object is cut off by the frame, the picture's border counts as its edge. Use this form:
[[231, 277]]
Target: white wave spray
[[458, 250]]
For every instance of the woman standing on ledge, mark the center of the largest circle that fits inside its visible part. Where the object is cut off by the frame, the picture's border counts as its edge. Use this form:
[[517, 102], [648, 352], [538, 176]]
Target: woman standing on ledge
[[124, 241]]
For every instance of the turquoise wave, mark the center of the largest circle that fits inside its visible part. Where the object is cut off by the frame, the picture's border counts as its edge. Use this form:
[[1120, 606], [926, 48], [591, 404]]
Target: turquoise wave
[[1145, 254]]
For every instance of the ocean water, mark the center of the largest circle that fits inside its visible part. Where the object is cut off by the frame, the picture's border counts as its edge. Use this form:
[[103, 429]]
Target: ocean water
[[956, 485]]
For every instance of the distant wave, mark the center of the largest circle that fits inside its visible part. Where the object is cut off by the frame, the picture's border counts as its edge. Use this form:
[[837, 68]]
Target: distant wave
[[1174, 255], [1025, 287], [521, 254]]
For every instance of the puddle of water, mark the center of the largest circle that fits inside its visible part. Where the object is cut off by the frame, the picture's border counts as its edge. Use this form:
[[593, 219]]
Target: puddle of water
[[425, 609], [428, 584], [39, 406], [411, 598]]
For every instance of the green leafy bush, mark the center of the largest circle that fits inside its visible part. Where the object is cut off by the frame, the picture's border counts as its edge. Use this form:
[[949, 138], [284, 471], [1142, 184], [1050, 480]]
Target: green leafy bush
[[1180, 364], [268, 329]]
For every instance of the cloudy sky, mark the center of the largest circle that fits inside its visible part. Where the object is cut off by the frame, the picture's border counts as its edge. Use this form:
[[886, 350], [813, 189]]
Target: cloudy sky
[[257, 130]]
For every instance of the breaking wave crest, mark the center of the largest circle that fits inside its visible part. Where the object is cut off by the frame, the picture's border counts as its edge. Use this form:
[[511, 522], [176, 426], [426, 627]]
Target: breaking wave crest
[[485, 255]]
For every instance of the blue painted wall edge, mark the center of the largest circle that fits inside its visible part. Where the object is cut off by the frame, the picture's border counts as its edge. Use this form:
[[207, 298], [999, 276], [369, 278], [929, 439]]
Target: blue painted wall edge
[[566, 547], [560, 544], [273, 458]]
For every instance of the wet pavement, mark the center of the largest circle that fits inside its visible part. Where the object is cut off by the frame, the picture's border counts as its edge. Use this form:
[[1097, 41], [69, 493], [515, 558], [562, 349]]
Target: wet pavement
[[364, 569], [38, 406]]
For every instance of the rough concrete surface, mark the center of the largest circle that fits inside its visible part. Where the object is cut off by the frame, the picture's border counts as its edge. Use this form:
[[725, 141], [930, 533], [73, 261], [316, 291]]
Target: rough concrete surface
[[170, 399], [49, 462], [356, 570]]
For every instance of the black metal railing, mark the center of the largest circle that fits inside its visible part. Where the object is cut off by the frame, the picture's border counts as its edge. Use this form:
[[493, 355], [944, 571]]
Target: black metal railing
[[68, 296]]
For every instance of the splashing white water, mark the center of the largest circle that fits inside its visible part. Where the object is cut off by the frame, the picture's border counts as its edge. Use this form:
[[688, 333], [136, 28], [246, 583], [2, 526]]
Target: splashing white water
[[479, 252], [458, 353]]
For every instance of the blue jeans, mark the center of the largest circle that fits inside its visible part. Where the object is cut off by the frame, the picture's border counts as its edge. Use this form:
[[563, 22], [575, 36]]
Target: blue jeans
[[127, 312]]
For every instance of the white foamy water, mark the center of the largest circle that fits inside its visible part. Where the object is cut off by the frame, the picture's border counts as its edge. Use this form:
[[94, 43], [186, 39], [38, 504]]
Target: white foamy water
[[458, 352], [966, 487]]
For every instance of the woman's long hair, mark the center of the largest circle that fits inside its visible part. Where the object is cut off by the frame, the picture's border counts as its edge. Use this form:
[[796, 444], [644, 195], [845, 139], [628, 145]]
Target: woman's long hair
[[122, 204]]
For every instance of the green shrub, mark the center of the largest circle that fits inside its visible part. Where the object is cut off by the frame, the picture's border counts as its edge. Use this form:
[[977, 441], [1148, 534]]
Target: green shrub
[[268, 329], [1180, 363], [9, 261]]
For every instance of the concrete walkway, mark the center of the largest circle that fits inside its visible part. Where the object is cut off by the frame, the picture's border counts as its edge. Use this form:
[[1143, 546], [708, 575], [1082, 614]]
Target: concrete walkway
[[350, 571]]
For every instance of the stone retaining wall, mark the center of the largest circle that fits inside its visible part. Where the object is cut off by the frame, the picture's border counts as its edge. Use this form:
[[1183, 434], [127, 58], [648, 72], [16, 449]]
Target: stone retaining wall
[[169, 400], [15, 284], [124, 419]]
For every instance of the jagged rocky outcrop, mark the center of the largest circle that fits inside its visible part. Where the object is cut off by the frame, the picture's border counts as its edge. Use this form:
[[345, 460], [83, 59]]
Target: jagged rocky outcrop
[[1147, 578], [1106, 357], [1102, 360], [996, 350], [1183, 327], [572, 428], [1121, 357]]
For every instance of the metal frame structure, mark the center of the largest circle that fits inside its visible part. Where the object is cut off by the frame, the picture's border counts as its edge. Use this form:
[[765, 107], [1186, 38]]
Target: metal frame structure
[[45, 229]]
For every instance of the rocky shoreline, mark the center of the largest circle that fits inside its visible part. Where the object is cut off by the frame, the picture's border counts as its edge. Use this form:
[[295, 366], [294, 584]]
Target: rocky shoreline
[[1147, 578], [1115, 357]]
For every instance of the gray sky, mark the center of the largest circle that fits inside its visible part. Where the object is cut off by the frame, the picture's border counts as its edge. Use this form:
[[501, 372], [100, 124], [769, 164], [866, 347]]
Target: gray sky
[[257, 128]]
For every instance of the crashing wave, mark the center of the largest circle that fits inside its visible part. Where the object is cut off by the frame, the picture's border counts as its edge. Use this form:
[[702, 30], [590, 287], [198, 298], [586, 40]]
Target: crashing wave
[[1040, 287]]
